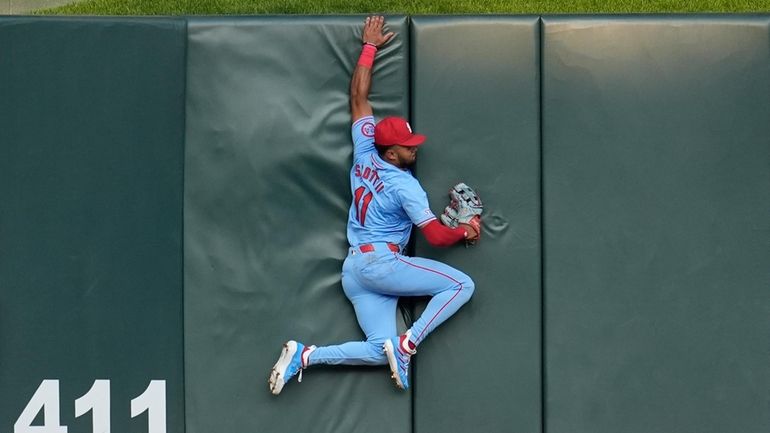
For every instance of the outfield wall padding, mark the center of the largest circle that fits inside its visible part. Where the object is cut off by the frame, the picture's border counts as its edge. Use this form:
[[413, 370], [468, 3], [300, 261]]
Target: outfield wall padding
[[174, 194], [266, 201], [476, 97], [656, 143], [91, 163]]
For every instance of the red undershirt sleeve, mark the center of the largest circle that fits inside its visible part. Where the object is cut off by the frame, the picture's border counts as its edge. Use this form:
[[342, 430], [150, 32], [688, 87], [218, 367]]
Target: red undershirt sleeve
[[440, 235]]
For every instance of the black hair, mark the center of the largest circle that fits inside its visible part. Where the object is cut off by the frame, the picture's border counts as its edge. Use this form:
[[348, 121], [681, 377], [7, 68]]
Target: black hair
[[381, 149]]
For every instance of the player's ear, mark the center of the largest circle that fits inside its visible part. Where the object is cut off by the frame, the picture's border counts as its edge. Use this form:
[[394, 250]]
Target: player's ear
[[390, 154]]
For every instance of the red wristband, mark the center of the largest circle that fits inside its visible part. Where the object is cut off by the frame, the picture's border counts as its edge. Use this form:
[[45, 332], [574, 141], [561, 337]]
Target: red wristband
[[367, 56]]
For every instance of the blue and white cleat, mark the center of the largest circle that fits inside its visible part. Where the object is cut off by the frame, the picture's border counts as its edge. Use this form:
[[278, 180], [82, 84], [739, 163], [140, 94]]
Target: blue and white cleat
[[293, 359], [398, 352]]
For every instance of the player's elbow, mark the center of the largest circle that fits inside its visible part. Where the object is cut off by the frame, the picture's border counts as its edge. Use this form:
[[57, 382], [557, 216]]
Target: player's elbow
[[358, 99], [359, 89], [355, 91], [356, 105]]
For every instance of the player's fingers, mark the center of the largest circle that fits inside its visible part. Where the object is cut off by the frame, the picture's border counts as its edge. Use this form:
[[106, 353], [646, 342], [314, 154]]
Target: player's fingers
[[389, 36]]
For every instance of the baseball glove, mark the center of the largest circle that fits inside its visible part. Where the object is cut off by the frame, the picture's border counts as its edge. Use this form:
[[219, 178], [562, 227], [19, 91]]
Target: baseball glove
[[465, 207]]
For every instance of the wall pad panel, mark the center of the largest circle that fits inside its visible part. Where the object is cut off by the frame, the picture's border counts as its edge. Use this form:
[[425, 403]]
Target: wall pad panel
[[476, 97], [656, 181], [266, 201], [91, 163]]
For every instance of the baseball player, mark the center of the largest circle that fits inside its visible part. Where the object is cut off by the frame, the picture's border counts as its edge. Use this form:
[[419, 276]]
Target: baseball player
[[387, 202]]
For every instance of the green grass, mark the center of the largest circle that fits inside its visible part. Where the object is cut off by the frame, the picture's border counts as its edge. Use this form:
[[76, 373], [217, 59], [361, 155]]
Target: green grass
[[406, 7]]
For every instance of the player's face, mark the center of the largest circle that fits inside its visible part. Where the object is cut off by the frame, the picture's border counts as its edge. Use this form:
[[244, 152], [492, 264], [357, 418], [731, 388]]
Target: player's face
[[405, 156]]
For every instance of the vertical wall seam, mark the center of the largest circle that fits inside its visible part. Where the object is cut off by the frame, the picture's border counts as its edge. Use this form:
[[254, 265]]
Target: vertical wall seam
[[184, 185], [543, 389], [408, 46], [408, 307], [413, 246]]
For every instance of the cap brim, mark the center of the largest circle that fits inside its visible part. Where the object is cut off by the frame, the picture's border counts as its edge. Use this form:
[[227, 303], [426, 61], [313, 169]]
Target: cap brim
[[414, 140]]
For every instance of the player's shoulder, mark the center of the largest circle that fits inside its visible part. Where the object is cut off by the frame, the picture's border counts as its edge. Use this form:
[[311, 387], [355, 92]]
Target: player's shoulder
[[406, 182], [366, 157]]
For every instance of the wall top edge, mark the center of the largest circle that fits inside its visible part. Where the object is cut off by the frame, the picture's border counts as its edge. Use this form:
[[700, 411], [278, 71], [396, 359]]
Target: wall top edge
[[667, 16]]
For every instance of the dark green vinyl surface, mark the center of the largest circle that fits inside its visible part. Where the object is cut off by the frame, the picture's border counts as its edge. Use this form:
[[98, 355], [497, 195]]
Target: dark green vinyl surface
[[476, 97], [91, 145], [266, 200], [656, 143], [123, 138]]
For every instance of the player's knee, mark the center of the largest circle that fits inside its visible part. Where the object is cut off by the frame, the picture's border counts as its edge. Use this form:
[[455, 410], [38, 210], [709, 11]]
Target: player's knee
[[466, 289]]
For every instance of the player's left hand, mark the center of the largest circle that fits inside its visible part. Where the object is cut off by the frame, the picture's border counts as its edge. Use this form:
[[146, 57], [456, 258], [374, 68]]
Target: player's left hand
[[373, 31]]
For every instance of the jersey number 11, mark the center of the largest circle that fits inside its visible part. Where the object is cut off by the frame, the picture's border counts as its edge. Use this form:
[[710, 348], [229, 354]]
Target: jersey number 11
[[362, 205]]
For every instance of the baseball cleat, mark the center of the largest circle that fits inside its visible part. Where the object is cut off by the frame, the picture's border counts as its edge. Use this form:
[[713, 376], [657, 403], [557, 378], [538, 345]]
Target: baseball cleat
[[398, 353], [293, 360]]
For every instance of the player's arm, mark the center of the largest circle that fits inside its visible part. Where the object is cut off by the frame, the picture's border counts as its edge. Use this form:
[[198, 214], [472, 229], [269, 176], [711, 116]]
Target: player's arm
[[440, 235], [373, 38]]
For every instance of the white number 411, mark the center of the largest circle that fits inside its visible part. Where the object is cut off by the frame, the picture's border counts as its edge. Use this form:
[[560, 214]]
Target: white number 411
[[97, 401]]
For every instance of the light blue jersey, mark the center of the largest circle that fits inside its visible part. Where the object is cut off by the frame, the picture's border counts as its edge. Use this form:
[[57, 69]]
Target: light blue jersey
[[387, 200]]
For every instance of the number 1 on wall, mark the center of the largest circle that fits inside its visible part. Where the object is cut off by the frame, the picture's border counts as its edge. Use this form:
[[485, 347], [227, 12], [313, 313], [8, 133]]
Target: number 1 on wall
[[153, 400], [97, 400]]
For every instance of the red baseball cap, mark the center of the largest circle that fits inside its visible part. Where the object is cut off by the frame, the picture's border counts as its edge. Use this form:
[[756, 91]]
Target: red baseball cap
[[395, 130]]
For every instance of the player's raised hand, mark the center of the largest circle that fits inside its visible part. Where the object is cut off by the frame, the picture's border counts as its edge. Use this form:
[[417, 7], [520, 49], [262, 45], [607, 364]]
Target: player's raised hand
[[373, 31]]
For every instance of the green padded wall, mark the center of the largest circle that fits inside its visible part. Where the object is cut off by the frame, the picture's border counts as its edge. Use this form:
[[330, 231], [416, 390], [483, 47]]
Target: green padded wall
[[656, 141], [655, 203], [91, 171], [266, 201], [476, 91]]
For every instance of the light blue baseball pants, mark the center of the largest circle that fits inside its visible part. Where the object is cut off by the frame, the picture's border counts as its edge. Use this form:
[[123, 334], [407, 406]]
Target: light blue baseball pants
[[373, 282]]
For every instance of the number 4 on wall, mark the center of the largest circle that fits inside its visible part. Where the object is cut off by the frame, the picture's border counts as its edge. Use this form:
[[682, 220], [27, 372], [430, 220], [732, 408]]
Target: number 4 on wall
[[97, 401]]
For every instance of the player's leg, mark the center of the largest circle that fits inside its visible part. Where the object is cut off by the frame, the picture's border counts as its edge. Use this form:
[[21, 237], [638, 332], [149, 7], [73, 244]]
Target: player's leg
[[449, 287], [376, 316], [397, 275], [415, 276]]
